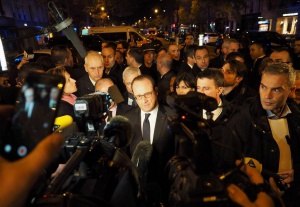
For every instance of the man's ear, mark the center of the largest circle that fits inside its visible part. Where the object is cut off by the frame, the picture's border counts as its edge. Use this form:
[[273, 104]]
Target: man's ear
[[239, 79], [156, 90], [220, 90], [292, 93], [85, 68]]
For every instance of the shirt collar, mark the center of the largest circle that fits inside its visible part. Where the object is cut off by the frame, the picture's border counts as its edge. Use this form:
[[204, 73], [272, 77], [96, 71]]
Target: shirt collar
[[286, 110], [150, 112], [93, 82]]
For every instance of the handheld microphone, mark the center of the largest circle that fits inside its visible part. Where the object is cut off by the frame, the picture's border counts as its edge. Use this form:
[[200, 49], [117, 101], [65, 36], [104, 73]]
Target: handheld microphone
[[62, 122], [141, 157], [65, 24], [259, 167]]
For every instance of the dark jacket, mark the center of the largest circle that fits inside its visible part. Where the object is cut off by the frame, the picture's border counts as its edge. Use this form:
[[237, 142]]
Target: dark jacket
[[240, 94], [217, 62], [115, 74], [163, 86], [84, 86], [254, 76], [249, 132]]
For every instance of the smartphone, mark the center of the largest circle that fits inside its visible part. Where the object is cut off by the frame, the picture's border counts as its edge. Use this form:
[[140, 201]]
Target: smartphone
[[34, 115]]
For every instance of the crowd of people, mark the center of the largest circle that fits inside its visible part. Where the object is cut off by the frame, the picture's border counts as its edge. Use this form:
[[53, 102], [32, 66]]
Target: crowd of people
[[257, 96]]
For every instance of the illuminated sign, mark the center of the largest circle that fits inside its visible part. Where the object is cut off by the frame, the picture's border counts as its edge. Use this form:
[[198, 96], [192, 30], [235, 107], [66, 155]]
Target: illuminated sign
[[290, 14], [264, 22]]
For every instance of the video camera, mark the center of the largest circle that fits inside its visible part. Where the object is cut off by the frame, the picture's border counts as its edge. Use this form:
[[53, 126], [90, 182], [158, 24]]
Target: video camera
[[92, 109], [192, 171]]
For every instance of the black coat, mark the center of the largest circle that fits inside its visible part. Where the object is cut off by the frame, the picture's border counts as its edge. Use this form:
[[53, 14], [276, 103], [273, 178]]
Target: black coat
[[254, 76], [217, 62], [249, 132], [84, 86], [115, 74]]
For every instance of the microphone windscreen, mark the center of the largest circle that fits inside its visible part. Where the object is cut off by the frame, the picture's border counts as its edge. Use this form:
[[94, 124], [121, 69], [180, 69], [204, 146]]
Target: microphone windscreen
[[62, 122], [119, 126], [142, 153], [115, 94]]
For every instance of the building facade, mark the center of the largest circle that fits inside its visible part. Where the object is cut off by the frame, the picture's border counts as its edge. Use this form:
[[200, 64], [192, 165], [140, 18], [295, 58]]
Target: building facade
[[272, 15]]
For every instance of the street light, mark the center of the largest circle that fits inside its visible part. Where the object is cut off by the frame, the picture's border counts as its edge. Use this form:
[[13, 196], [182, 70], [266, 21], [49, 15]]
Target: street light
[[156, 11], [102, 8]]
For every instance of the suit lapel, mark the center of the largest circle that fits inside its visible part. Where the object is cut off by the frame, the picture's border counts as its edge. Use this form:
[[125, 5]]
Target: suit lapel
[[159, 125]]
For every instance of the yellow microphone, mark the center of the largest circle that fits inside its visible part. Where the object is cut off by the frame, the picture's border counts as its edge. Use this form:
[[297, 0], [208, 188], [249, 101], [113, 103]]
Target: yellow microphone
[[62, 122], [253, 163]]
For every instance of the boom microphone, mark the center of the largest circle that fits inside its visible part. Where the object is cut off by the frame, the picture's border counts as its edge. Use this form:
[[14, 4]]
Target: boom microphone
[[115, 94], [62, 122], [65, 24], [258, 166]]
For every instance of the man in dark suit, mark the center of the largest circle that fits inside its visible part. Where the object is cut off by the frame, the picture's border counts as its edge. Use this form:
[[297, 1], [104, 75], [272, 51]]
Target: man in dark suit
[[62, 56], [157, 132], [257, 53], [164, 64], [228, 46], [189, 40], [94, 67], [112, 69]]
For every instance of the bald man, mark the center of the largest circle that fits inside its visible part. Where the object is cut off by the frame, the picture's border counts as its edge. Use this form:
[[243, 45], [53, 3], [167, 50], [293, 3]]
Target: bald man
[[94, 68]]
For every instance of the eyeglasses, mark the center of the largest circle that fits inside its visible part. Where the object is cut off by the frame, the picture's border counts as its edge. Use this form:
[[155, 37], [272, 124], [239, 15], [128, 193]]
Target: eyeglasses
[[277, 61], [120, 48], [146, 95]]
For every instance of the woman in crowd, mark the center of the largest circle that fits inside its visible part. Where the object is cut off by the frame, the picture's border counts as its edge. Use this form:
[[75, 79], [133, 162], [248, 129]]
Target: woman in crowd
[[184, 83], [68, 98]]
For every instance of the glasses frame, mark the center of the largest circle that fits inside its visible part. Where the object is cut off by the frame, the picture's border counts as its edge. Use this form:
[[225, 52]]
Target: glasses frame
[[145, 95]]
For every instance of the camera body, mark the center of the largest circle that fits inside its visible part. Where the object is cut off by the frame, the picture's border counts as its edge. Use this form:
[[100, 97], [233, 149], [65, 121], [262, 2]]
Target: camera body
[[192, 171]]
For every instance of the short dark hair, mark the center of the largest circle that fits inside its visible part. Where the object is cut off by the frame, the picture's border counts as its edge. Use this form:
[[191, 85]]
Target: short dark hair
[[284, 50], [189, 34], [201, 48], [188, 79], [136, 53], [162, 48], [233, 55], [124, 44], [60, 70], [190, 51], [110, 46], [213, 74], [143, 77], [260, 45], [237, 68], [59, 53]]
